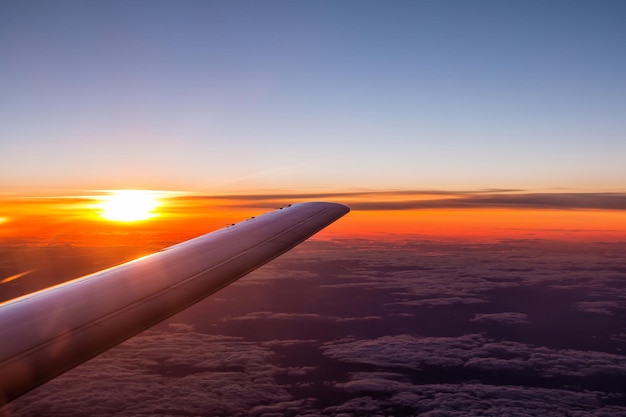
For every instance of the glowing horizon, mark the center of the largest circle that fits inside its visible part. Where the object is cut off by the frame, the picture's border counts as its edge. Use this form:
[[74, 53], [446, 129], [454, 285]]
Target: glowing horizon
[[170, 217]]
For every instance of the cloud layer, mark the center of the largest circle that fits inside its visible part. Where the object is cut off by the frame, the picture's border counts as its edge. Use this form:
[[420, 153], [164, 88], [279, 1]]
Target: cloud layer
[[359, 327]]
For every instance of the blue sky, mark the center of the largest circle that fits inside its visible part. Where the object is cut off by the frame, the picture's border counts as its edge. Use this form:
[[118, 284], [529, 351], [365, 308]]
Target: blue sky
[[244, 95]]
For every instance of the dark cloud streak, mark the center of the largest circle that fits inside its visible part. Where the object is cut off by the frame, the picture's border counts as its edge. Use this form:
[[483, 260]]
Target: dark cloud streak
[[436, 199], [560, 201]]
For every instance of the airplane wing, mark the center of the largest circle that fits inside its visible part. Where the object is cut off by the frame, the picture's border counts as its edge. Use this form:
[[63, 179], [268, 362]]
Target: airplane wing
[[51, 331]]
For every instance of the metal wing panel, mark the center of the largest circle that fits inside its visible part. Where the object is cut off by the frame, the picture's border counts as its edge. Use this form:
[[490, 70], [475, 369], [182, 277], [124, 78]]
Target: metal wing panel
[[48, 332]]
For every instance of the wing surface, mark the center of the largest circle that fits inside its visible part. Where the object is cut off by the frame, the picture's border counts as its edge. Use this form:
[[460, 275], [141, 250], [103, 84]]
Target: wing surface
[[51, 331]]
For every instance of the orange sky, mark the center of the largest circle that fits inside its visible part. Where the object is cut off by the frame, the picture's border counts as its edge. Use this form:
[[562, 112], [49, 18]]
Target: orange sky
[[490, 224], [77, 220]]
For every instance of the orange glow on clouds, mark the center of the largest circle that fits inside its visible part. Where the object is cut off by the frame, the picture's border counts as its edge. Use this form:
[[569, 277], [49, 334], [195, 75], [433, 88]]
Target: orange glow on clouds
[[15, 276]]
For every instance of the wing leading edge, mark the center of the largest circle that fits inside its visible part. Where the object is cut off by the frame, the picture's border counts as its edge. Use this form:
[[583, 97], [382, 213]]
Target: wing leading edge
[[51, 331]]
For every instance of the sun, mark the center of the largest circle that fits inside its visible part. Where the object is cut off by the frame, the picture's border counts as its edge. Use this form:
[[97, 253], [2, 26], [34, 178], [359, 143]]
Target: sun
[[129, 205]]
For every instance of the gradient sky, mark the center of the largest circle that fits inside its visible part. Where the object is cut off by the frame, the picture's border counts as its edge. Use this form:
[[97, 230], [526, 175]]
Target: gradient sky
[[243, 95]]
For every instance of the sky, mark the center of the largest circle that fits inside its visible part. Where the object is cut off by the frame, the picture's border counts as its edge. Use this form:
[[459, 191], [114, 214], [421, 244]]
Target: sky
[[222, 97]]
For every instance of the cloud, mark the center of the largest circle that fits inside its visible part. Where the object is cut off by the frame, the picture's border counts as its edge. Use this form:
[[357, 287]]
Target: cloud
[[404, 389], [163, 373], [271, 272], [357, 319], [437, 274], [522, 200], [287, 343], [475, 352], [600, 307], [268, 315], [181, 327], [435, 199], [405, 351], [376, 295], [299, 371], [384, 397], [372, 384], [280, 408], [366, 405], [442, 301], [501, 318]]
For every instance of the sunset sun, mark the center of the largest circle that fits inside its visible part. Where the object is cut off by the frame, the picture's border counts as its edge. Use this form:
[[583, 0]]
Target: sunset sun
[[129, 205]]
